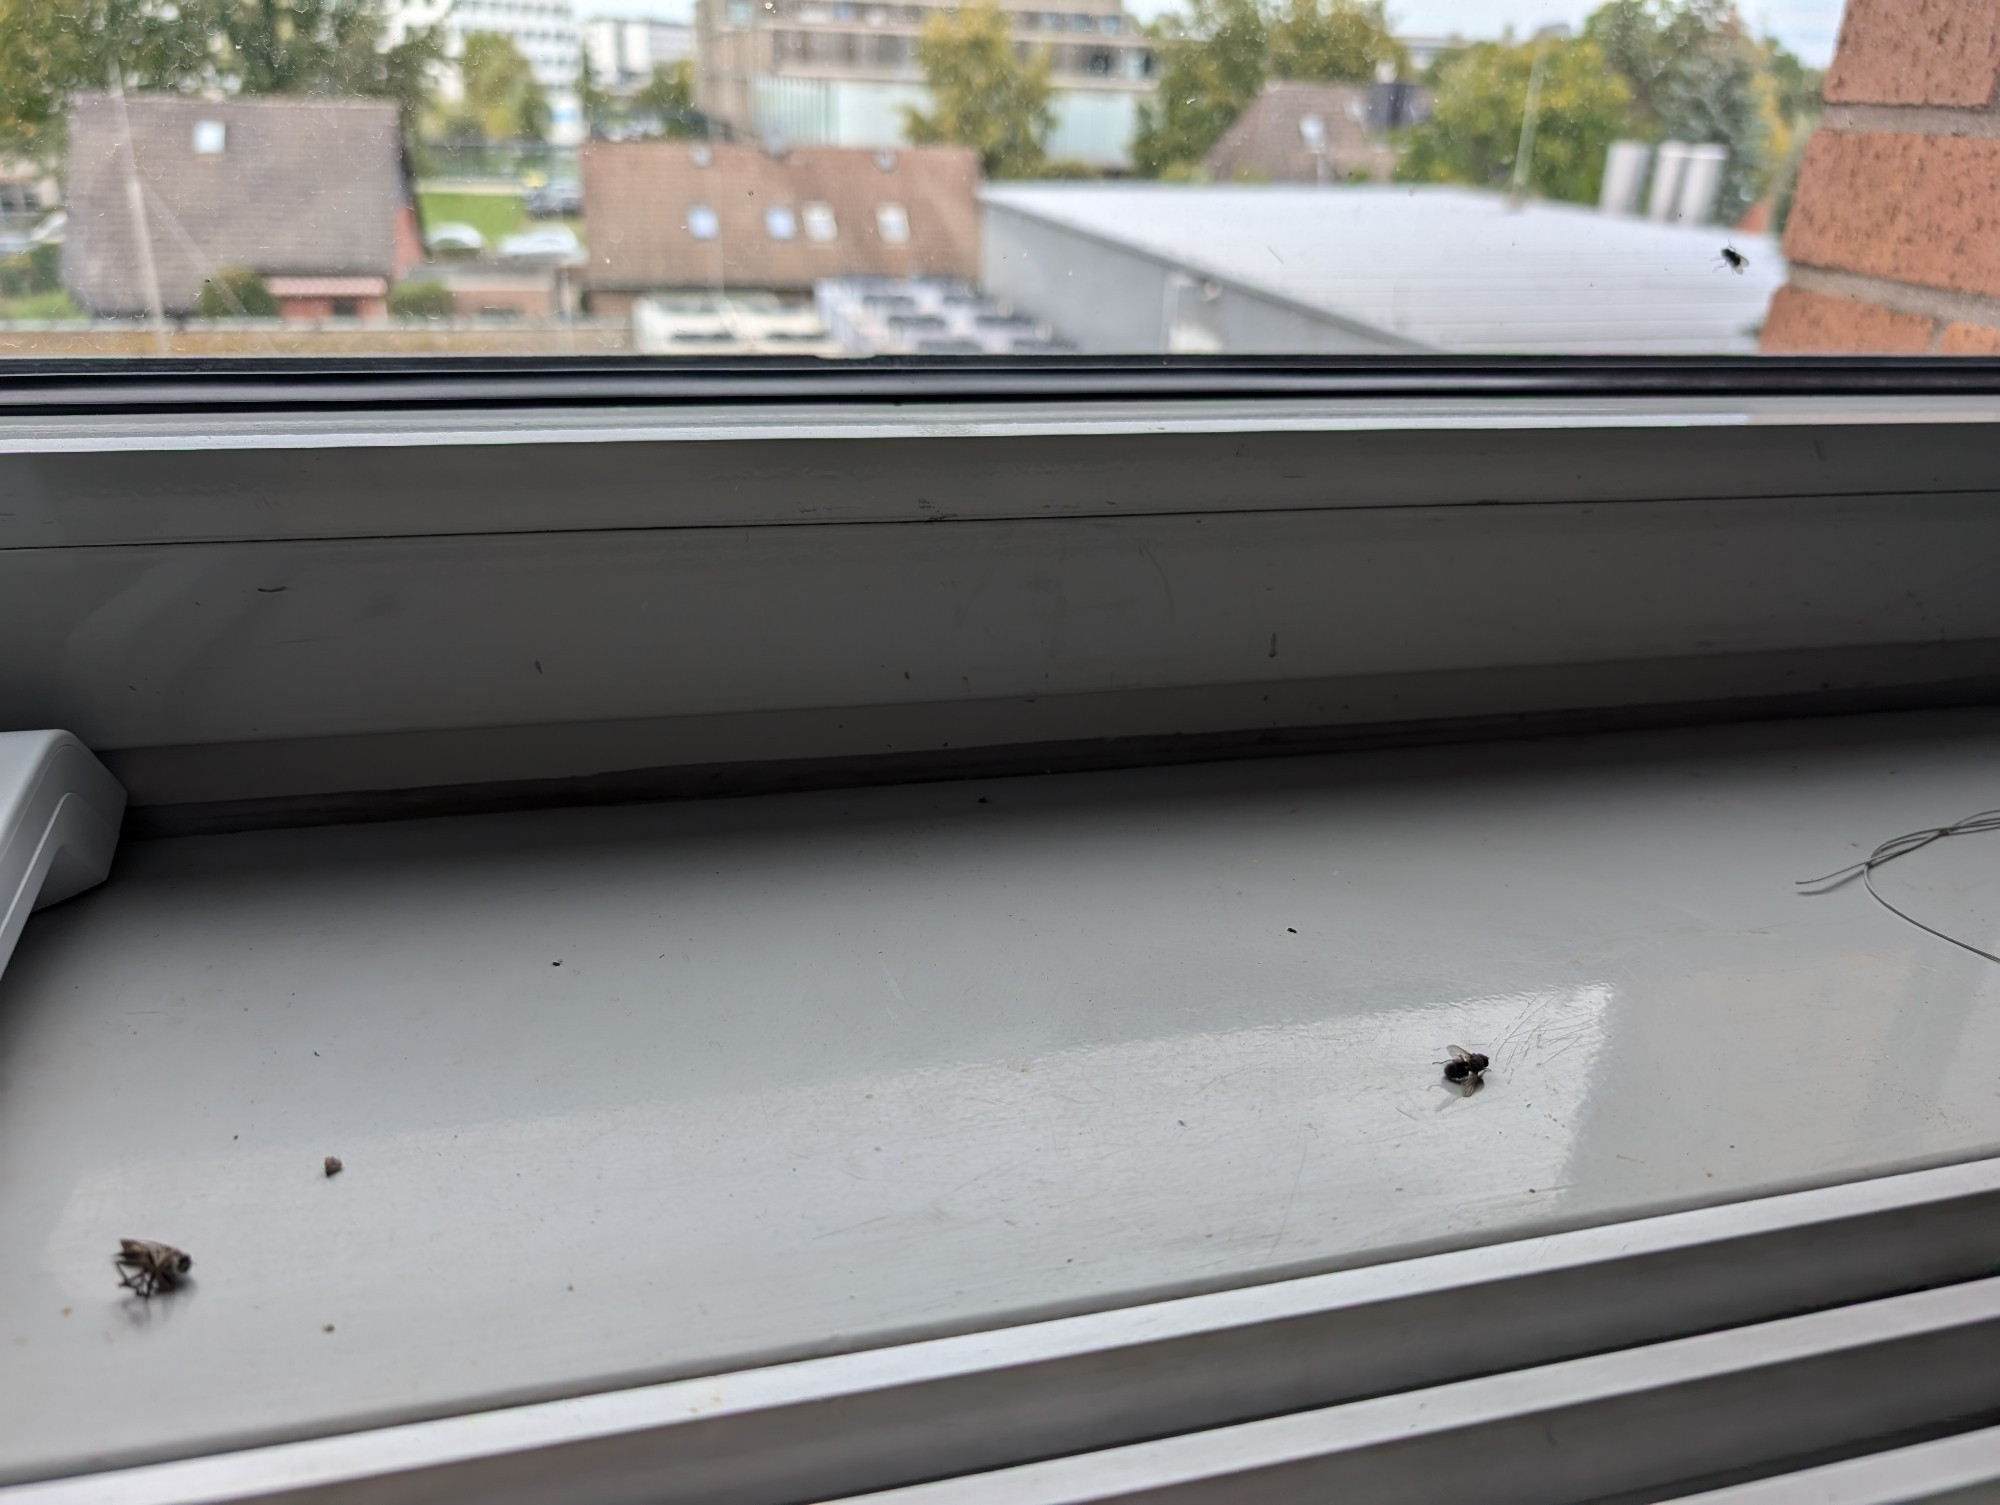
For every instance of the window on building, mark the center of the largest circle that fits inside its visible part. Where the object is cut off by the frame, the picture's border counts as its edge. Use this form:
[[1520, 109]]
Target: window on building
[[781, 223], [820, 227], [210, 136], [1101, 62], [892, 223], [1111, 26], [702, 223]]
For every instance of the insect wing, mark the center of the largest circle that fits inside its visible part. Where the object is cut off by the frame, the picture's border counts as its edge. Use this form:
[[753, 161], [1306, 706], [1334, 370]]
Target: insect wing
[[1459, 1053]]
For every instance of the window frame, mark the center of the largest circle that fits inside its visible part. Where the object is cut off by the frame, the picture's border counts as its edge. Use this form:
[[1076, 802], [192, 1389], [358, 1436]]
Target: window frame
[[194, 385]]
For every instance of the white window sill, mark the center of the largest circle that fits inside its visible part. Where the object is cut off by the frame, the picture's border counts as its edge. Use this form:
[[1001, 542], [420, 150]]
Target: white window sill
[[817, 1073]]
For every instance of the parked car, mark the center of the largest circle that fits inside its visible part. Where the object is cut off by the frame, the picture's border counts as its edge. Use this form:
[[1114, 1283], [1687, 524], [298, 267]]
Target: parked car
[[550, 245], [454, 239], [553, 200]]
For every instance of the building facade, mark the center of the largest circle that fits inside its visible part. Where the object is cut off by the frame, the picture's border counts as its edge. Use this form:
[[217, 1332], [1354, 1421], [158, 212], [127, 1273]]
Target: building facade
[[544, 30], [841, 72], [1892, 238], [624, 52]]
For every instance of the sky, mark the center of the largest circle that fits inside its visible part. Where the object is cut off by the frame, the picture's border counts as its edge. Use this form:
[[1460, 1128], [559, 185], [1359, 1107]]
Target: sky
[[1808, 27]]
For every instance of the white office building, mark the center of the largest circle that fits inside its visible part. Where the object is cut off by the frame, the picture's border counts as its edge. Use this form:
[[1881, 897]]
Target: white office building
[[624, 51]]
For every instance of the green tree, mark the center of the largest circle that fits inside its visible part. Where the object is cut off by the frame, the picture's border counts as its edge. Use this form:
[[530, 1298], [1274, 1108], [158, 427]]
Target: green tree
[[983, 93], [1213, 61], [1792, 102], [1335, 41], [1482, 94], [420, 300], [50, 49], [405, 73], [35, 270], [1795, 89], [1696, 75], [236, 293], [1216, 59], [297, 46], [668, 96], [331, 47], [501, 100]]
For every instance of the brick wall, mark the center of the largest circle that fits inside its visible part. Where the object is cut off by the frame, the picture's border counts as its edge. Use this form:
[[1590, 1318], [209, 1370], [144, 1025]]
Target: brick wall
[[1894, 239]]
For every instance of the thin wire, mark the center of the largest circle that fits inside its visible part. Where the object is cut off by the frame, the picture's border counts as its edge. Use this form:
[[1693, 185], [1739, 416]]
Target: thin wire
[[1902, 846]]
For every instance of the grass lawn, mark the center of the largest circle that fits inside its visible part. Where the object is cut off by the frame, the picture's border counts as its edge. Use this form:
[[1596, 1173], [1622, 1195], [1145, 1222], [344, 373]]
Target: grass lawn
[[40, 308], [493, 215]]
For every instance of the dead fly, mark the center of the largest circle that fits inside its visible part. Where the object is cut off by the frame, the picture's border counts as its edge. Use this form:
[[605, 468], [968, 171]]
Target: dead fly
[[1734, 259], [1465, 1069], [149, 1268]]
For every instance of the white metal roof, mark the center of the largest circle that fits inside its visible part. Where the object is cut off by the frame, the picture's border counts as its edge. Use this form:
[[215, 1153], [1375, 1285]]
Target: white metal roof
[[1450, 267]]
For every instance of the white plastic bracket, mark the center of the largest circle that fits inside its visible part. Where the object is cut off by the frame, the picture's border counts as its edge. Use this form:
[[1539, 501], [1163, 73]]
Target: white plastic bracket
[[60, 810]]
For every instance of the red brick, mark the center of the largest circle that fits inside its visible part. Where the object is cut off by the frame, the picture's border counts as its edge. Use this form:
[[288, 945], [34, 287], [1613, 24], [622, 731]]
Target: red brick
[[1802, 323], [1969, 339], [1917, 52], [1920, 209]]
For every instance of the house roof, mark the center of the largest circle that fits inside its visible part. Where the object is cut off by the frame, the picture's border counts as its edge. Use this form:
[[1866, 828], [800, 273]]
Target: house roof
[[292, 187], [1449, 268], [643, 203], [1265, 143]]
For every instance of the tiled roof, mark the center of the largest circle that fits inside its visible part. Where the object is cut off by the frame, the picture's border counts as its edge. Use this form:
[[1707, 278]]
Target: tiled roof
[[298, 187], [1264, 145], [667, 214]]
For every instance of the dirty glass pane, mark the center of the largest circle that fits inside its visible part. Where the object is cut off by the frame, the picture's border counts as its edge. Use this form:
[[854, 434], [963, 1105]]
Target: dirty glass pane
[[846, 180]]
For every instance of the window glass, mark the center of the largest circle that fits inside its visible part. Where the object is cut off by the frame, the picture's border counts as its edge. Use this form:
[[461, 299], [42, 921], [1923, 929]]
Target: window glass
[[820, 223], [1430, 177], [892, 223]]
